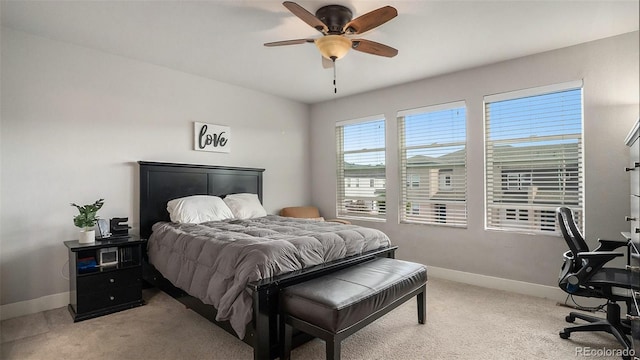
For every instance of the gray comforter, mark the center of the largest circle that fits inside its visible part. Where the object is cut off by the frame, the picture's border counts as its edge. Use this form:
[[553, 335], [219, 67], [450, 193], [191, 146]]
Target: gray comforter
[[214, 261]]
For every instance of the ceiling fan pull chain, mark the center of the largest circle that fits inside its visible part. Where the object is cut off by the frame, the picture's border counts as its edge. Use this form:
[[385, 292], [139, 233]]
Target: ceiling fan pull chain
[[335, 88]]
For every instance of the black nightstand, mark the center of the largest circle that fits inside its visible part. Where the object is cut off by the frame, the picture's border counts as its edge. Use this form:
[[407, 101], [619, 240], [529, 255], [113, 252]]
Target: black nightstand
[[99, 290]]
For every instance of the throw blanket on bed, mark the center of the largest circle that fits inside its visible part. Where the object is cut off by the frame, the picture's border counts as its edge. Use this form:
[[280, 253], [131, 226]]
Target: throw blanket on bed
[[214, 261]]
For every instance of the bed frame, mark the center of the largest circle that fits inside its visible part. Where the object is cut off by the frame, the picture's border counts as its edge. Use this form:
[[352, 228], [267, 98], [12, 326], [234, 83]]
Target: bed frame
[[161, 182]]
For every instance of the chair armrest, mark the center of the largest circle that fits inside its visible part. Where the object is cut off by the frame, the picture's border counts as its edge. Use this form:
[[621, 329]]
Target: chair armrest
[[599, 255], [595, 261], [608, 245], [346, 222]]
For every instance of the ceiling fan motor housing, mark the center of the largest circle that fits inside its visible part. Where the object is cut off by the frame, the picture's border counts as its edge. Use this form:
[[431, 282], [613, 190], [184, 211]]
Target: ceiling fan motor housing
[[335, 17]]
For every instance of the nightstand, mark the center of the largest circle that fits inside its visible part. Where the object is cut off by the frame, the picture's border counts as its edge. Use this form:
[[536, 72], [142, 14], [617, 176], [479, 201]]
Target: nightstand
[[97, 290]]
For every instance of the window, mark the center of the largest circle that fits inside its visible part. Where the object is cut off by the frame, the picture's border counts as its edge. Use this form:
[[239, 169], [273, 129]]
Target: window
[[533, 157], [441, 213], [433, 165], [547, 220], [361, 168], [444, 179], [512, 181], [413, 180]]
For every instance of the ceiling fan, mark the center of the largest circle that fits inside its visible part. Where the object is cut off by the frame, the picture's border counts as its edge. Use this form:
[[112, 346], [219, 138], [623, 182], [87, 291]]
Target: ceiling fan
[[336, 25]]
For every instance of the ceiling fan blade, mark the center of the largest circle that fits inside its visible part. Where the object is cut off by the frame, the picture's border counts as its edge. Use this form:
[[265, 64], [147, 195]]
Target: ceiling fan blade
[[370, 20], [326, 63], [372, 47], [288, 42], [306, 16]]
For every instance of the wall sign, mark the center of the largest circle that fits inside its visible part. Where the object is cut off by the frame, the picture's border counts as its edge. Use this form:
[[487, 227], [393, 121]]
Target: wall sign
[[209, 137]]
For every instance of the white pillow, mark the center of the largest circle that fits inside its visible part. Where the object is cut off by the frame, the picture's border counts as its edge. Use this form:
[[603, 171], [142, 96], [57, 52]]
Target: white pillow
[[197, 209], [245, 206]]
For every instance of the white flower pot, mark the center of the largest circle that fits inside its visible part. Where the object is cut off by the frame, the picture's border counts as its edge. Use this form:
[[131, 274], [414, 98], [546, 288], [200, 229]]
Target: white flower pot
[[87, 236]]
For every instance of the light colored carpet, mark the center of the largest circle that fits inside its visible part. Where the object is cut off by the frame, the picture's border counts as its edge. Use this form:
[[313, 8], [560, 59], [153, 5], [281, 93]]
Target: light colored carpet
[[463, 322]]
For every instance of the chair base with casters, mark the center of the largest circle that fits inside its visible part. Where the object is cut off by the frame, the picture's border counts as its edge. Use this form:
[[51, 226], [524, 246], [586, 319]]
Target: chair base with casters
[[613, 324]]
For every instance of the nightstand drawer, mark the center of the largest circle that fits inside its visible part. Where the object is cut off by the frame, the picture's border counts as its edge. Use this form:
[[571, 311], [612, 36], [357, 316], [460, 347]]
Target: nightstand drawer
[[109, 280], [105, 299]]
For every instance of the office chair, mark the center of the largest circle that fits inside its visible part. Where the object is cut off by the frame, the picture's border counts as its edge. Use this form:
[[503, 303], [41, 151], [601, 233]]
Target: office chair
[[583, 274]]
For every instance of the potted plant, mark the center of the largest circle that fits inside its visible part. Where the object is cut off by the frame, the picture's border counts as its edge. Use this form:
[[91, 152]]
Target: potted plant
[[86, 220]]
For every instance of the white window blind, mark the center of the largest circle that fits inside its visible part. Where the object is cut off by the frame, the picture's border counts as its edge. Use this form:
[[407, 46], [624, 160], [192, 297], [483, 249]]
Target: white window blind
[[361, 171], [533, 155], [433, 165]]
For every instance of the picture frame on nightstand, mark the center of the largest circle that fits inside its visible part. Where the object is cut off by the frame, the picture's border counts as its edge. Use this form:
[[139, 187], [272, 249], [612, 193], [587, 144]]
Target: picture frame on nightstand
[[103, 229]]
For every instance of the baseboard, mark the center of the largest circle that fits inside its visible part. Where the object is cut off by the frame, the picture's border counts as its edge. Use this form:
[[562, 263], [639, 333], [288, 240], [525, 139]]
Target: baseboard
[[33, 306], [55, 301], [491, 282]]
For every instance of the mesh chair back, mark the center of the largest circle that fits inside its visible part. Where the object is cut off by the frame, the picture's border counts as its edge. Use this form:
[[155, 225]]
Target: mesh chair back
[[570, 231]]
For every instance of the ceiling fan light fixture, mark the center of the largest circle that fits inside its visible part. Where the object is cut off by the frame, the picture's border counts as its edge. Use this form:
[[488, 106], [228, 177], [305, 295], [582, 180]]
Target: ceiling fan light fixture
[[333, 47]]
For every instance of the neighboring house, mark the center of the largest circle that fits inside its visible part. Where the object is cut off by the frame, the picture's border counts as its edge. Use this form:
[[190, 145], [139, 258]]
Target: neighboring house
[[437, 184], [530, 190], [364, 188]]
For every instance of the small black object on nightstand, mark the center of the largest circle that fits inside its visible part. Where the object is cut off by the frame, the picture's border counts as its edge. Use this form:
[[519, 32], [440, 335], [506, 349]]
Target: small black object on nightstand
[[118, 229]]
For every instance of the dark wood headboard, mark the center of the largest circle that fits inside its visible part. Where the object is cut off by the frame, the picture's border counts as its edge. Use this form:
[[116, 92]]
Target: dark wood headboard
[[161, 182]]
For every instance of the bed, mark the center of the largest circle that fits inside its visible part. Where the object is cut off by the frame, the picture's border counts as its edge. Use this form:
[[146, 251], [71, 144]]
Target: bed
[[162, 182]]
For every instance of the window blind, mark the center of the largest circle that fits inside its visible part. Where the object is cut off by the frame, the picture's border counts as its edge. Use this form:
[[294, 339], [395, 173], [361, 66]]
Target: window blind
[[533, 157], [361, 170], [433, 165]]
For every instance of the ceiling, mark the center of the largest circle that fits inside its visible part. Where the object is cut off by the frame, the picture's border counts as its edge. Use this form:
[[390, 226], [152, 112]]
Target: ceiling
[[223, 40]]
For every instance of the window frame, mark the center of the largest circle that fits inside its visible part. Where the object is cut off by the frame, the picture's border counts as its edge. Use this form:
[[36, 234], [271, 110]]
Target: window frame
[[378, 203], [431, 211], [568, 175]]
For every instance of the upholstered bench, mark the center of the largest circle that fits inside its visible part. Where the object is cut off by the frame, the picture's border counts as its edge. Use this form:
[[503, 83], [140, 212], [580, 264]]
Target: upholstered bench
[[334, 306]]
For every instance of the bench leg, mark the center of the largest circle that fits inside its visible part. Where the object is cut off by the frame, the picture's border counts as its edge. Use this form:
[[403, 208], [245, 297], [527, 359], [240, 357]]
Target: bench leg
[[286, 342], [422, 305], [333, 349]]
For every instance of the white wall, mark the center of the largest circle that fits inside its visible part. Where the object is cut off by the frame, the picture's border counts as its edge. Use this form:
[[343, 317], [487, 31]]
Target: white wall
[[74, 123], [609, 68]]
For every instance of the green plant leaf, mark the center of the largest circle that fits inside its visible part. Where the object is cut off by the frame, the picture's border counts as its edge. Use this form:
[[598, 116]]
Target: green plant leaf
[[87, 214]]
